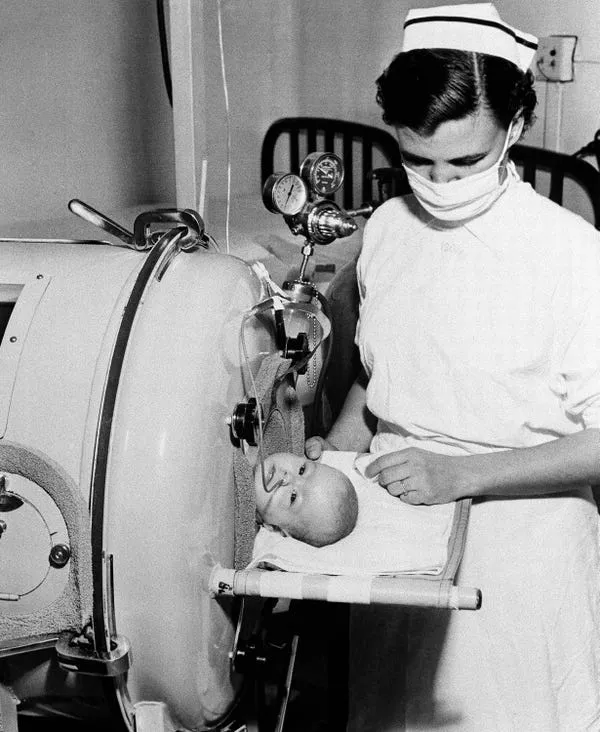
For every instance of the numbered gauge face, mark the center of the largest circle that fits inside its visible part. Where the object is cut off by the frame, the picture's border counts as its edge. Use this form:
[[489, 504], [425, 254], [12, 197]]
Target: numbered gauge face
[[323, 172], [285, 193]]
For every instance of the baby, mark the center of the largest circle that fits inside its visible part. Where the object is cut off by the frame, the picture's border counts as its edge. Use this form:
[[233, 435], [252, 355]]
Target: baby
[[304, 499]]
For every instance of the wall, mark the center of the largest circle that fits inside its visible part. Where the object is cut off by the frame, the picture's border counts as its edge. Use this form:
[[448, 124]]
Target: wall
[[262, 62], [244, 72], [84, 110]]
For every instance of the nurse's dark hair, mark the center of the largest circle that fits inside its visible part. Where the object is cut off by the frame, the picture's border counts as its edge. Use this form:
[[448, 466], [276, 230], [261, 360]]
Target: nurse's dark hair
[[420, 89]]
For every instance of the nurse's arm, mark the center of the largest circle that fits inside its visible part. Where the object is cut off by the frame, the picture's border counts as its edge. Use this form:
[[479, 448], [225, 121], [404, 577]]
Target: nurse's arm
[[354, 427], [569, 461], [418, 476]]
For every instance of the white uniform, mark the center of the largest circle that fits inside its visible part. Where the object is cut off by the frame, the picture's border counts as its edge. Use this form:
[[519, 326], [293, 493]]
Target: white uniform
[[477, 338]]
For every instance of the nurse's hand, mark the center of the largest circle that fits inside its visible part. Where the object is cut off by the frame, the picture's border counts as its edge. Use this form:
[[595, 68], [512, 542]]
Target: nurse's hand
[[315, 446], [418, 476]]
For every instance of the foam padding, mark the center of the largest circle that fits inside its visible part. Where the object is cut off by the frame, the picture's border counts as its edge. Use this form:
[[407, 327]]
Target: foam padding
[[283, 431], [72, 609]]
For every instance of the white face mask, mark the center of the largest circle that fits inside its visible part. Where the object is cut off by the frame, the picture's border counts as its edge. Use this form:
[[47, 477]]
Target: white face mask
[[465, 198]]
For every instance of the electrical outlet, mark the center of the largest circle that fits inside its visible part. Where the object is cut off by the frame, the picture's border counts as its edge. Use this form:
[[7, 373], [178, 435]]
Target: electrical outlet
[[554, 58]]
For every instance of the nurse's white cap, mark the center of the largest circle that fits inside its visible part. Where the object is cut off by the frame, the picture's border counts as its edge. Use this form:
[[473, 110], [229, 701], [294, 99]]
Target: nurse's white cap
[[474, 27]]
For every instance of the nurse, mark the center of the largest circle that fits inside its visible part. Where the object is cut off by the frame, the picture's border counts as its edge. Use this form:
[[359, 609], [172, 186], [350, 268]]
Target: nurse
[[479, 336]]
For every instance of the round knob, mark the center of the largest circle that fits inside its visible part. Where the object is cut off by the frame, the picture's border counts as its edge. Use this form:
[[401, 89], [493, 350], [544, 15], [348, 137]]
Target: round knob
[[59, 555], [243, 424]]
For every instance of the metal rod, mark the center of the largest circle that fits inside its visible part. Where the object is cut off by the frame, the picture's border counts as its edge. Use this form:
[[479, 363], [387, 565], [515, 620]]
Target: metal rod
[[369, 590]]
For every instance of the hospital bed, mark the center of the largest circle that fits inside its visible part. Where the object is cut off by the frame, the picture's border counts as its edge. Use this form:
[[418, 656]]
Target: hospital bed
[[136, 376]]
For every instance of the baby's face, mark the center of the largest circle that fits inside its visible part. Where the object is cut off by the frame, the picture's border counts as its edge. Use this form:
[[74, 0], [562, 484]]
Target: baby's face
[[298, 491]]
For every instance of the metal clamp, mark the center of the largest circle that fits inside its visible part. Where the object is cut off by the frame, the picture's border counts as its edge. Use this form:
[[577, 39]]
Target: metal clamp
[[143, 238], [76, 653]]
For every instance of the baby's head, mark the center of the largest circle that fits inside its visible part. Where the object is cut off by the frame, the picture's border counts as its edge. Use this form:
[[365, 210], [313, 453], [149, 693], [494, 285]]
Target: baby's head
[[309, 501]]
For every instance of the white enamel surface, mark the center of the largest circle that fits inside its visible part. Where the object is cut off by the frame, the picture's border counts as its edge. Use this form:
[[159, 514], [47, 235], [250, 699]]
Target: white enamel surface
[[170, 500], [169, 493], [24, 298], [70, 334]]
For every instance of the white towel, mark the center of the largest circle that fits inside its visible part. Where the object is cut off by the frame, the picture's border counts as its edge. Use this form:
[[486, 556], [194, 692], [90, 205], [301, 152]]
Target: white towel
[[390, 537]]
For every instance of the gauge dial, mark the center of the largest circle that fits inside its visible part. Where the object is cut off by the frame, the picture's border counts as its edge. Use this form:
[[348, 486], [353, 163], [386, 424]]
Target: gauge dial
[[285, 193], [323, 172]]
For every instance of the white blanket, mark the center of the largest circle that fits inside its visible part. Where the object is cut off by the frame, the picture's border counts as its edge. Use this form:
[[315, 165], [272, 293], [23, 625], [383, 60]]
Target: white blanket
[[390, 537]]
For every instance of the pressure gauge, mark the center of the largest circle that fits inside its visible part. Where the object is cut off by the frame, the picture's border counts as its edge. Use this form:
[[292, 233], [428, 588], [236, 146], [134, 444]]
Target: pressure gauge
[[285, 193], [323, 172]]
